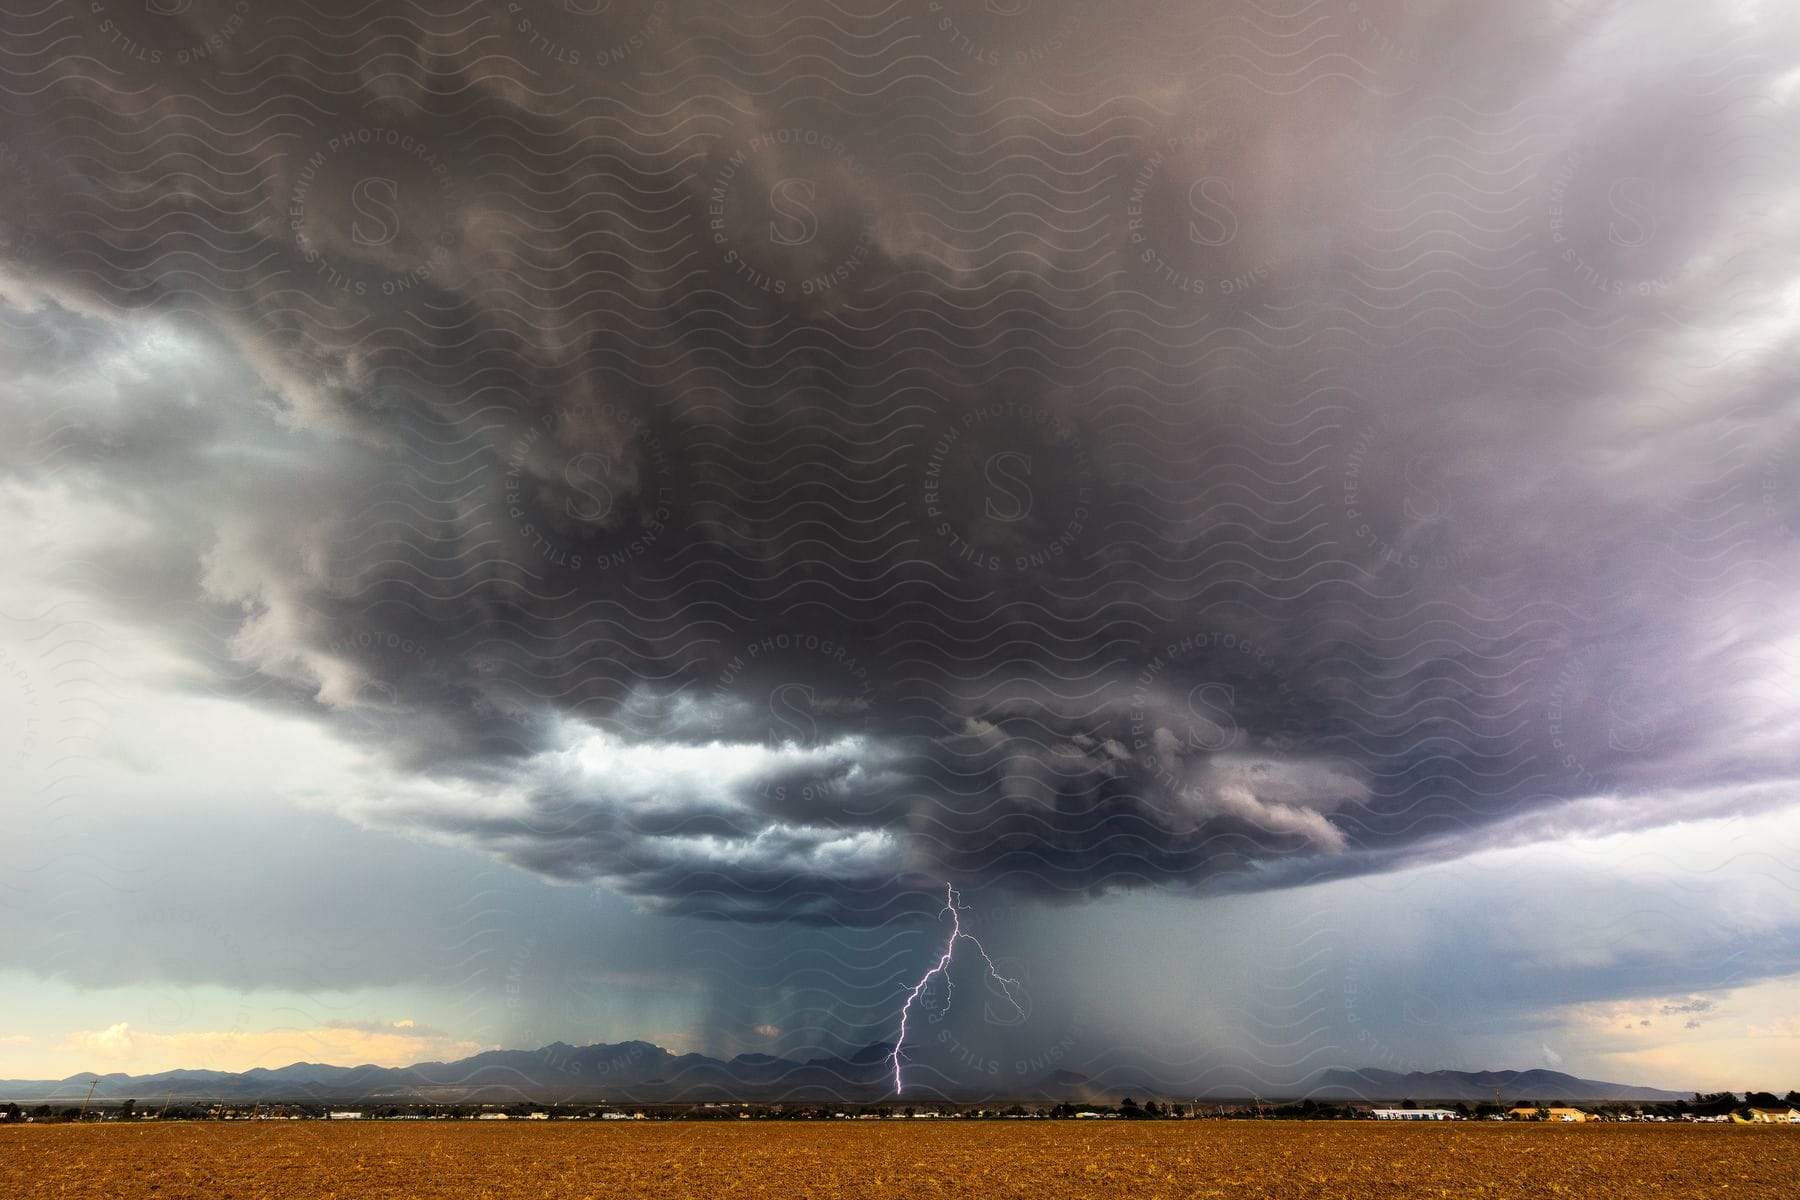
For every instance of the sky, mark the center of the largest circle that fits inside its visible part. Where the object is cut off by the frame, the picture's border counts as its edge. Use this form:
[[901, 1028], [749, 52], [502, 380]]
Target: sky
[[541, 521]]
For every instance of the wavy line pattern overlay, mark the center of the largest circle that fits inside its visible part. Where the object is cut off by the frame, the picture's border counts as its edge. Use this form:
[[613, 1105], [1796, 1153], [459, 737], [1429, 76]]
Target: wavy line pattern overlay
[[766, 464]]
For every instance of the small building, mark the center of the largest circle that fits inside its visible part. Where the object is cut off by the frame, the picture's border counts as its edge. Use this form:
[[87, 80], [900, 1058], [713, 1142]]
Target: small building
[[343, 1116], [1550, 1114], [1414, 1114], [1775, 1116]]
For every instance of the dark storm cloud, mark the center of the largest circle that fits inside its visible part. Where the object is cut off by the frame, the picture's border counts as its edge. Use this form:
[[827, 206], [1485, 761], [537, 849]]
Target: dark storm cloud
[[772, 461]]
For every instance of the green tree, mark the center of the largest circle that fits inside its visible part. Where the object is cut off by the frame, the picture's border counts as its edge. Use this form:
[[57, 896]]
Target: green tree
[[1715, 1104]]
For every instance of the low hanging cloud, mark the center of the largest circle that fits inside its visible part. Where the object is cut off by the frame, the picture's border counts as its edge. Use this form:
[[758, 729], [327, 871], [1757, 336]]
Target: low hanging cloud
[[1031, 451]]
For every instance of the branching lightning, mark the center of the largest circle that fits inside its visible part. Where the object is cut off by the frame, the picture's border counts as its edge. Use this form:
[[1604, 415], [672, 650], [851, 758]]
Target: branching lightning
[[942, 968]]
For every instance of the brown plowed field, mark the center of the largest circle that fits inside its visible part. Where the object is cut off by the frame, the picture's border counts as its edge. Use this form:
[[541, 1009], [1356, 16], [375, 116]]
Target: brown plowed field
[[876, 1160]]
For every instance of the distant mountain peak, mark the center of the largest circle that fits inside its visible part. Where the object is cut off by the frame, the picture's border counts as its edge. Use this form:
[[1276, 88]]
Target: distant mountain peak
[[1537, 1083], [642, 1072]]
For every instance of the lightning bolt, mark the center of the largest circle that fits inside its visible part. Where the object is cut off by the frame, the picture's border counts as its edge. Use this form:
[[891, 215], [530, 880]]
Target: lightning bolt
[[942, 968]]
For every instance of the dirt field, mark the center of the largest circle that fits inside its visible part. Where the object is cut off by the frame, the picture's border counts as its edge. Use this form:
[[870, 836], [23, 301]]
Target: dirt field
[[1277, 1160]]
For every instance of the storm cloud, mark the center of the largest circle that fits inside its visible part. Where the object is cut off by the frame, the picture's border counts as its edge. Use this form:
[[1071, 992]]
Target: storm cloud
[[772, 462]]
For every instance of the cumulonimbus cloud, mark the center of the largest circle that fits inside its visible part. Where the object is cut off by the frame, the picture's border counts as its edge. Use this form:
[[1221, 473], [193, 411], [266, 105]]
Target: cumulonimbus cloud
[[768, 490]]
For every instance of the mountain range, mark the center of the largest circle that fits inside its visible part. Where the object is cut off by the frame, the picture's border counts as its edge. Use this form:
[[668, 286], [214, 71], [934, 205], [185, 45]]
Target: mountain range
[[639, 1072], [1475, 1086]]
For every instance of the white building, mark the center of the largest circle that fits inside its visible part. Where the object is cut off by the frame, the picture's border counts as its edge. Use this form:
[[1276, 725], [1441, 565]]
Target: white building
[[1414, 1114], [1775, 1116]]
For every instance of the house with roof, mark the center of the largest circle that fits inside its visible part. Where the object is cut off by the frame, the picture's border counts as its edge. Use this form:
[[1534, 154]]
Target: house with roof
[[1550, 1114], [1774, 1116]]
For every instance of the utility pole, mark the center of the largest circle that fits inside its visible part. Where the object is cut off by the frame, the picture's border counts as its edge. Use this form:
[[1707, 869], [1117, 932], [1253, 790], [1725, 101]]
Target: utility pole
[[165, 1107], [90, 1096]]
